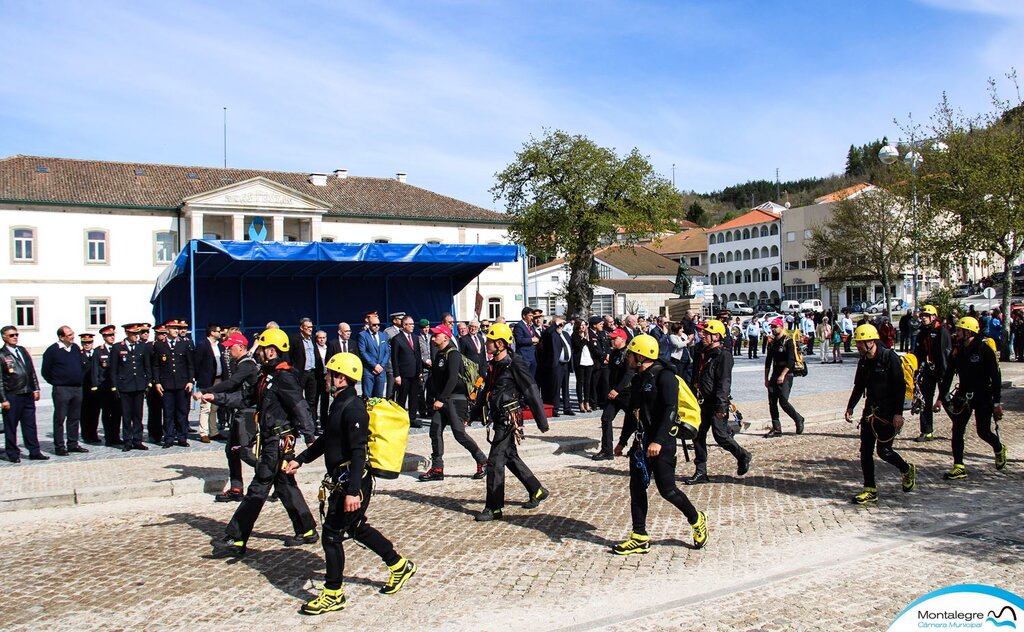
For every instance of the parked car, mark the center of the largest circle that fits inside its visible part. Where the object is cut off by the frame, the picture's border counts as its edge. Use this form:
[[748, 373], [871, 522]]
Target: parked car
[[812, 305], [739, 307], [789, 307], [879, 306], [764, 307], [962, 292]]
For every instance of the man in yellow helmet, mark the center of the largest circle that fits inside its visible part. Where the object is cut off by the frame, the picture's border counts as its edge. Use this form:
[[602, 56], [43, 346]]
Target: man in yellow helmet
[[712, 383], [880, 376], [654, 398], [933, 350], [507, 387], [350, 484], [282, 414], [979, 390]]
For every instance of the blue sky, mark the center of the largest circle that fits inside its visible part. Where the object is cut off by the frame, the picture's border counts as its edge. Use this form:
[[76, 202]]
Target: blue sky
[[449, 91]]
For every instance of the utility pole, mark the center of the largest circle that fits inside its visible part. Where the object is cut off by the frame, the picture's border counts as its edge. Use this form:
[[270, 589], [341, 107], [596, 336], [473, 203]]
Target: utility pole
[[778, 193], [673, 175], [225, 137]]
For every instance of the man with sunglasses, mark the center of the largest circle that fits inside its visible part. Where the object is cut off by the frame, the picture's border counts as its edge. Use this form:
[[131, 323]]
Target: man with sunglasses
[[375, 353], [19, 392]]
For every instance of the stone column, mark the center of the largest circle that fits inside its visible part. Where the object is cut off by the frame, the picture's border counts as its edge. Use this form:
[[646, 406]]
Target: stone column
[[238, 226], [315, 228], [196, 225], [278, 233]]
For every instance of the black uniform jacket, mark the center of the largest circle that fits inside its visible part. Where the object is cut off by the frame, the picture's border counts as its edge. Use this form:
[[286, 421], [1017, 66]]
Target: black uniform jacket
[[129, 369], [978, 369], [655, 392], [344, 439], [934, 347], [278, 401], [508, 379], [620, 375], [882, 378], [713, 379], [172, 366]]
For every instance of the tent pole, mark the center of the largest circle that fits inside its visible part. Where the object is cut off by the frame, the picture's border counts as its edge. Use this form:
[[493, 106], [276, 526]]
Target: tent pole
[[526, 297], [451, 292], [192, 284], [387, 297], [316, 301], [241, 302]]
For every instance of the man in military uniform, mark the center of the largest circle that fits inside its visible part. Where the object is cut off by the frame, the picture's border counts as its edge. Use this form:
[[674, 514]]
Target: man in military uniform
[[105, 387], [90, 395], [173, 374], [933, 350], [343, 446], [508, 385], [154, 401], [131, 378], [282, 414]]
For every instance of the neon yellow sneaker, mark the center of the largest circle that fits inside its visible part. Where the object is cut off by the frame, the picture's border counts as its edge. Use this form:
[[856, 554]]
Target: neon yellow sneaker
[[328, 601], [866, 497], [700, 531], [958, 472], [635, 544], [400, 573], [910, 478], [1001, 458]]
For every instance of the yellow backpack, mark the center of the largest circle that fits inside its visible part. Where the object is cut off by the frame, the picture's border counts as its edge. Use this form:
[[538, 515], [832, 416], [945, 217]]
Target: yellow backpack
[[388, 437], [909, 361], [687, 421]]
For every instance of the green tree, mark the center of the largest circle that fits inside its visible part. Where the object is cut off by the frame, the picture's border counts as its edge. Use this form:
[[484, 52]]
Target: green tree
[[854, 161], [696, 214], [866, 240], [565, 195], [971, 183]]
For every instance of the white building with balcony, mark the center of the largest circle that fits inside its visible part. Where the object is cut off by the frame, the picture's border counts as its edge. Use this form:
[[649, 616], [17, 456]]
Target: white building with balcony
[[744, 258]]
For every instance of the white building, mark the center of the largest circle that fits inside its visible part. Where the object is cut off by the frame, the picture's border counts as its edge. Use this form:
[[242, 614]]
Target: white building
[[744, 258], [87, 239]]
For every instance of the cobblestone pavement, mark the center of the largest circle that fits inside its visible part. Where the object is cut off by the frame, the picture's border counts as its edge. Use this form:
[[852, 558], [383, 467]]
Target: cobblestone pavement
[[786, 549]]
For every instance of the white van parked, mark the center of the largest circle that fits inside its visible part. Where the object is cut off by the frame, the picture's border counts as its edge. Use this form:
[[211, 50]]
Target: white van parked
[[739, 307], [789, 307], [812, 305]]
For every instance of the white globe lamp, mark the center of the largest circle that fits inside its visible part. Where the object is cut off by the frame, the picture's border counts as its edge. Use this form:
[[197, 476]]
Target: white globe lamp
[[888, 155]]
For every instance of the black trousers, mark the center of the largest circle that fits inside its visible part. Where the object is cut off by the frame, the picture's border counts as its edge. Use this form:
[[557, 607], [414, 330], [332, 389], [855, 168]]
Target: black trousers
[[67, 413], [764, 345], [339, 523], [269, 474], [927, 416], [778, 395], [584, 375], [1018, 348], [154, 415], [662, 469], [323, 402], [23, 412], [983, 423], [110, 414], [90, 414], [751, 347], [504, 453], [241, 430], [611, 409], [307, 382], [810, 345], [720, 431], [131, 416], [886, 434], [407, 394], [175, 415], [599, 386], [454, 413], [560, 379]]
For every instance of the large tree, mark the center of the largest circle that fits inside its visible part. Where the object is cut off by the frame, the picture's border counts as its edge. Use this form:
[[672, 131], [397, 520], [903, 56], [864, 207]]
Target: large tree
[[971, 183], [866, 240], [565, 196]]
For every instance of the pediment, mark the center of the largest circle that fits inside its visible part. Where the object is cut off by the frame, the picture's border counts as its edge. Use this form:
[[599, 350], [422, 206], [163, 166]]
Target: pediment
[[257, 193]]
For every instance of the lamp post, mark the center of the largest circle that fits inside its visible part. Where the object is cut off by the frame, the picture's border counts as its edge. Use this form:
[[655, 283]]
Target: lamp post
[[888, 155]]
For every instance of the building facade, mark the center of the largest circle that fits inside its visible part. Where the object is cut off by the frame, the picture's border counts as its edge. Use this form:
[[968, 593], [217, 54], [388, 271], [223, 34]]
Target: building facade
[[744, 258]]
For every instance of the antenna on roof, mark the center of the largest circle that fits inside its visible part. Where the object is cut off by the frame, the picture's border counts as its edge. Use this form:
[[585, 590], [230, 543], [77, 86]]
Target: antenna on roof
[[225, 137]]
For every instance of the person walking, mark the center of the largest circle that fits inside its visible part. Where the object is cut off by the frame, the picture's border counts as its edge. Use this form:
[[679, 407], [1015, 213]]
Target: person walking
[[451, 407], [19, 392], [933, 351], [979, 391], [778, 379], [620, 376], [655, 393], [506, 390], [348, 487], [713, 380], [880, 377], [62, 370]]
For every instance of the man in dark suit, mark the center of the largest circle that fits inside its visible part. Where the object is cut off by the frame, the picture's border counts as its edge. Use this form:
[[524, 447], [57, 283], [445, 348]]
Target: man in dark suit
[[105, 386], [131, 378], [323, 398], [303, 361], [407, 365], [526, 340], [473, 347], [208, 373], [560, 359], [172, 378], [342, 343], [19, 392], [154, 401], [90, 396]]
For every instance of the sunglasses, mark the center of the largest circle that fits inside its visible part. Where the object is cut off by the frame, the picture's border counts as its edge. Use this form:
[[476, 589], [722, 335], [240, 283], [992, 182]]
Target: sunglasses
[[11, 335]]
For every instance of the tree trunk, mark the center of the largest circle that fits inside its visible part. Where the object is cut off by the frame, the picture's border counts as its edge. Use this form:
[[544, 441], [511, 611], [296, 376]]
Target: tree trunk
[[1004, 311], [578, 292]]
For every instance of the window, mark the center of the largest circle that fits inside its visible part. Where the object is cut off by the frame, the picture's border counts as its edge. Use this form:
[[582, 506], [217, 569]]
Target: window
[[775, 251], [602, 304], [98, 311], [554, 277], [435, 242], [714, 258], [775, 274], [746, 233], [494, 307], [764, 231], [800, 292], [23, 246], [381, 240], [213, 236], [95, 246], [775, 229], [811, 264], [790, 236], [695, 261], [25, 312], [711, 239], [327, 239], [165, 247]]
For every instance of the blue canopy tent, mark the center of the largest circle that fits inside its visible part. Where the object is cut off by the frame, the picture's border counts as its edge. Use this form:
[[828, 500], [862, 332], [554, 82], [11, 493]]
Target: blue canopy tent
[[252, 282]]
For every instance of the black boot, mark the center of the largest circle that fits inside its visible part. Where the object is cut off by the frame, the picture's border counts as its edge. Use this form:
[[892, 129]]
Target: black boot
[[776, 430], [699, 477]]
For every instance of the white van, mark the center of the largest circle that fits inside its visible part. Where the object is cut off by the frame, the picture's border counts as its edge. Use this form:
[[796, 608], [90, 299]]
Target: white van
[[739, 307], [812, 305], [789, 307]]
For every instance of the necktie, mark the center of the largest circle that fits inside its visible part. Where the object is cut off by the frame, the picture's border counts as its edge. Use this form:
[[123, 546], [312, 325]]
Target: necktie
[[409, 338], [476, 343], [344, 346]]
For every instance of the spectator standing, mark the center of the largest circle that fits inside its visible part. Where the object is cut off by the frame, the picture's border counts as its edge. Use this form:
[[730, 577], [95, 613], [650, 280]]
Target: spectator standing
[[407, 365], [208, 373], [526, 341], [391, 331], [887, 333], [62, 369], [807, 330], [172, 377], [1017, 334], [584, 352], [303, 361], [823, 332], [132, 377], [90, 396], [323, 399], [103, 381], [753, 337], [904, 327], [472, 345], [599, 379], [375, 353], [19, 392]]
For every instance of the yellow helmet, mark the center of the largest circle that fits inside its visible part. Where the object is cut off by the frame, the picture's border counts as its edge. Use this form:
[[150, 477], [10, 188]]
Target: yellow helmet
[[499, 331], [644, 345], [715, 327], [970, 323], [274, 338], [930, 309], [348, 364], [865, 333]]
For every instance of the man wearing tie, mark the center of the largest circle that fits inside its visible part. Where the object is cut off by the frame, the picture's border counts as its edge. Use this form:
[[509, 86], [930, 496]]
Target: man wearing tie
[[173, 373], [376, 356], [407, 365], [323, 398], [473, 347], [303, 360], [561, 358], [90, 396], [19, 392], [131, 378], [526, 341], [106, 388], [341, 344]]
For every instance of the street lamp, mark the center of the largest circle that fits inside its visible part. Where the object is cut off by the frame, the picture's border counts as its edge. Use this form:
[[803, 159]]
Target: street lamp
[[888, 155]]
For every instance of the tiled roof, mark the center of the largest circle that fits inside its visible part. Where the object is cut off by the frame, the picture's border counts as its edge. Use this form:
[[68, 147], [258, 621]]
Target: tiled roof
[[842, 194], [755, 216], [94, 182], [638, 286], [633, 260], [692, 240]]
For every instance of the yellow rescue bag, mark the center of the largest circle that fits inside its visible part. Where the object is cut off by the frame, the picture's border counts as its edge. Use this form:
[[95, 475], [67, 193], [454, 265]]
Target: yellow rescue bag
[[909, 361], [388, 437], [687, 421]]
